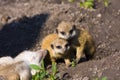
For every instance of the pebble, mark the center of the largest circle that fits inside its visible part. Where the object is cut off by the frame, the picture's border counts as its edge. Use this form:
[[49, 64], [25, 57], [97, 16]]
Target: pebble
[[99, 15]]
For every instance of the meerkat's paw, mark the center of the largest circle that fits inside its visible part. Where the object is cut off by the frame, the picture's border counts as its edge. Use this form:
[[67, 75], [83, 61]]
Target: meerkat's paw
[[68, 63], [77, 61]]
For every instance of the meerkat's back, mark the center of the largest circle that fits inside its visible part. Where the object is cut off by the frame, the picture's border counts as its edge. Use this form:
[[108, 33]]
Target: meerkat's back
[[6, 60], [15, 71], [89, 44], [47, 40]]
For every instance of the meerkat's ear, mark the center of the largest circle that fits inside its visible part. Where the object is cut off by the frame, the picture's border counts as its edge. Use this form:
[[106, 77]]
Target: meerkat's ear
[[56, 31], [52, 46], [74, 26]]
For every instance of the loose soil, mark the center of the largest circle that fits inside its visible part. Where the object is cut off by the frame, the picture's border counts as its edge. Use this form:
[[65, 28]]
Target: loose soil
[[31, 20]]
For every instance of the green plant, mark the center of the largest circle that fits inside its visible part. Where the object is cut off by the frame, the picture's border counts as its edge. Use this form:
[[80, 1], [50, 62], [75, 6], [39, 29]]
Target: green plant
[[71, 0], [106, 3], [52, 76], [87, 4], [103, 78], [73, 63], [43, 74]]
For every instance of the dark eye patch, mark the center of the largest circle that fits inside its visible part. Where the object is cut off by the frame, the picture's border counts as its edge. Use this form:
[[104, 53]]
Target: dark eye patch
[[71, 31], [59, 47], [74, 27], [63, 33], [67, 45]]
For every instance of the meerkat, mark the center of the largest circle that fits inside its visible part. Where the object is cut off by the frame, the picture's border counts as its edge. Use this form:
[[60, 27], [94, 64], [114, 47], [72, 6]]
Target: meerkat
[[6, 60], [15, 71], [57, 48], [32, 57], [18, 68], [3, 20], [78, 38]]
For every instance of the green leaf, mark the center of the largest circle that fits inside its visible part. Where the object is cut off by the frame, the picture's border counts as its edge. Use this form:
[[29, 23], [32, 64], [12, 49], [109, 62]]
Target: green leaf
[[104, 78], [96, 79], [73, 63], [90, 1], [54, 68], [88, 4], [71, 0], [37, 77], [81, 4], [35, 67], [106, 3]]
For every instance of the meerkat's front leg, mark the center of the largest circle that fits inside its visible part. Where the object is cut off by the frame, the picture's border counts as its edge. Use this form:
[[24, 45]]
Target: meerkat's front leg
[[67, 62], [53, 60], [79, 53]]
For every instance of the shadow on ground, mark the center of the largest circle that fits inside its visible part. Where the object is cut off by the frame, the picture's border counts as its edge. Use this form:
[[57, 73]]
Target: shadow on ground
[[20, 34]]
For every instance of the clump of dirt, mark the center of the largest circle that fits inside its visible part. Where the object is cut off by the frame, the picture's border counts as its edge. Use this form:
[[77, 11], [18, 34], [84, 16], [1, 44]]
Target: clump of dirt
[[31, 20]]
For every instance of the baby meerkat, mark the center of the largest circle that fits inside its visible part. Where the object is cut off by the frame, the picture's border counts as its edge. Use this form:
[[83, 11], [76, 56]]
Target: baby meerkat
[[6, 60], [32, 57], [15, 71], [3, 20], [57, 48], [78, 38], [18, 68]]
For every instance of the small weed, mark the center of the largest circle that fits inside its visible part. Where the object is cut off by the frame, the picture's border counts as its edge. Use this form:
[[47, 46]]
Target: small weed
[[71, 0], [52, 76], [87, 4], [42, 74], [106, 3], [73, 63], [103, 78]]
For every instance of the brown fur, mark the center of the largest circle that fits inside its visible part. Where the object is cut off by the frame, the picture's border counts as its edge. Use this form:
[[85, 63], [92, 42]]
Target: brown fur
[[53, 39], [64, 26], [18, 68], [4, 19], [15, 71], [82, 40]]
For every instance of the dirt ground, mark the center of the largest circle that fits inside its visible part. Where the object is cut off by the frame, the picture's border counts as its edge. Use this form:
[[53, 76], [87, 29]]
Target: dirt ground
[[31, 20]]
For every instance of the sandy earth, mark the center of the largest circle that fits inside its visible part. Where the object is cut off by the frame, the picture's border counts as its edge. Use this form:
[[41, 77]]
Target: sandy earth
[[31, 20]]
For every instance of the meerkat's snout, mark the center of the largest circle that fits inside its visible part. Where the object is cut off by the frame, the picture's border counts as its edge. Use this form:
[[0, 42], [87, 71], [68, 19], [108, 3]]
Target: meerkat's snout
[[60, 46]]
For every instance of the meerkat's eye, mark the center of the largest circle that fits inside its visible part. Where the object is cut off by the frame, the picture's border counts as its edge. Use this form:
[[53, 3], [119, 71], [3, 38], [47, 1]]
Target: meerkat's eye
[[59, 47], [63, 33], [66, 45], [71, 31]]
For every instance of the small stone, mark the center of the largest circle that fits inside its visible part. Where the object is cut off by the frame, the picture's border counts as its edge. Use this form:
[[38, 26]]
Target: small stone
[[99, 15], [85, 78]]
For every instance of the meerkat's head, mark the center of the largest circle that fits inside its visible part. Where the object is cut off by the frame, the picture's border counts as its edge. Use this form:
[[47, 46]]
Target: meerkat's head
[[32, 57], [60, 46], [4, 19], [66, 30]]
